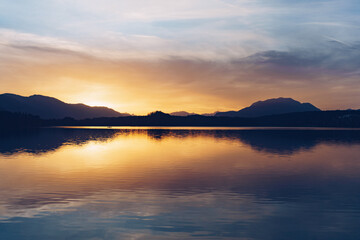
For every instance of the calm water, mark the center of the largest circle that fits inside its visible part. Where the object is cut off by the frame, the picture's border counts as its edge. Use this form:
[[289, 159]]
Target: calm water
[[180, 184]]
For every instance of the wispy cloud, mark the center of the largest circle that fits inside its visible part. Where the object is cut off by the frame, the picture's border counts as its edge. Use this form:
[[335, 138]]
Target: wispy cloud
[[194, 54], [76, 73]]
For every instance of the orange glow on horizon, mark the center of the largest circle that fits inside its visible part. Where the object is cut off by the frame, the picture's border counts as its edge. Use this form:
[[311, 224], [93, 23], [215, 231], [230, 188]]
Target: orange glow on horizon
[[143, 87]]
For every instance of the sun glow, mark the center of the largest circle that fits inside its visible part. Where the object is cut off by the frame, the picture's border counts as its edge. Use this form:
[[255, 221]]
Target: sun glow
[[99, 104]]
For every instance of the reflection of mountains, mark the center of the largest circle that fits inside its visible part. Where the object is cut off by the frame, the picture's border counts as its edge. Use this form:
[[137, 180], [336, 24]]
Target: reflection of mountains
[[291, 141], [44, 140], [271, 141], [170, 180]]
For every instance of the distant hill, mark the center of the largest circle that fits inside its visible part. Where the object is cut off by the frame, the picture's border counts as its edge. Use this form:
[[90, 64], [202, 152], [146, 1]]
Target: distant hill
[[185, 114], [348, 119], [270, 107], [182, 114], [51, 108]]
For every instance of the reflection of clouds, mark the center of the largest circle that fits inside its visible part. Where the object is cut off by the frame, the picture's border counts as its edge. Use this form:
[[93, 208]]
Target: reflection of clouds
[[149, 184], [152, 214], [150, 203], [8, 212], [153, 210]]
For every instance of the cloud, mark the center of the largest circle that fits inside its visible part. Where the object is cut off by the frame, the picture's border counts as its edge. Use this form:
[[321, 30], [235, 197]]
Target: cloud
[[200, 56], [75, 73], [333, 58], [205, 29]]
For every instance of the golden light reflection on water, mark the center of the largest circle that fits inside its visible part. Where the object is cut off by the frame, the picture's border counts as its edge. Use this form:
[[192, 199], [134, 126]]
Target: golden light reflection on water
[[137, 160], [151, 172], [125, 155]]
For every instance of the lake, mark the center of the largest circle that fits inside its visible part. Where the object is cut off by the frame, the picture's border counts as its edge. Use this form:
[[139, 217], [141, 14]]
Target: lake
[[180, 183]]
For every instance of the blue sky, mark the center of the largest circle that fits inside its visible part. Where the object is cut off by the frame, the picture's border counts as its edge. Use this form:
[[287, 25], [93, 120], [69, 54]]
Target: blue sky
[[315, 32], [247, 25]]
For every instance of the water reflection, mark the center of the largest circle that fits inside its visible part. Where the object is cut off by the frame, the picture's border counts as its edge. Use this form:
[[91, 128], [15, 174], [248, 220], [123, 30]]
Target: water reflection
[[43, 140], [180, 184], [271, 141]]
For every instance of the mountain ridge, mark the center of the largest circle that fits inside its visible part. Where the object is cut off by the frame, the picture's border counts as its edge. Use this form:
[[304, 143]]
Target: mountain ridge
[[270, 106], [51, 108]]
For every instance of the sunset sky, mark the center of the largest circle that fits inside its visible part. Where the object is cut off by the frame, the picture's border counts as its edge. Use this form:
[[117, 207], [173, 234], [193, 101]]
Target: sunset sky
[[200, 56]]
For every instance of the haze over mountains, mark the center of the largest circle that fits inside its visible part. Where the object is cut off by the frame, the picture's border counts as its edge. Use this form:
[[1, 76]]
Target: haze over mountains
[[182, 114], [52, 108]]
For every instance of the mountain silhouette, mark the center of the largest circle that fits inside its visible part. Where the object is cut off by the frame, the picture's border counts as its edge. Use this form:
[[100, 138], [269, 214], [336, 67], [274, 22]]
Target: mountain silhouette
[[10, 120], [296, 119], [270, 107], [52, 108]]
